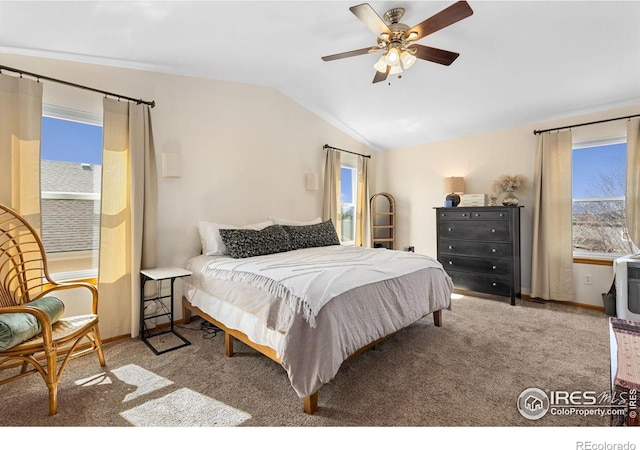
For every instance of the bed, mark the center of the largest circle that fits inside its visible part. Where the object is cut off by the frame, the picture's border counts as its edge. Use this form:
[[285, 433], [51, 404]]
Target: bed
[[311, 307]]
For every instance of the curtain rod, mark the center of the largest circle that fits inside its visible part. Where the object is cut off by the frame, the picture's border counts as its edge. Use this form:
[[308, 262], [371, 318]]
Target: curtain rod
[[151, 103], [586, 123], [326, 146]]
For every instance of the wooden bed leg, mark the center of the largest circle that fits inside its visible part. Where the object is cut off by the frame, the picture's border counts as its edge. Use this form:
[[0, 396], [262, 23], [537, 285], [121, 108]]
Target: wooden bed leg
[[186, 316], [310, 403], [437, 318], [228, 344]]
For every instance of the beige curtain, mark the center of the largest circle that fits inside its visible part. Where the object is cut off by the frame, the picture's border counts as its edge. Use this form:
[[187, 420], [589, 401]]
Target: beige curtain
[[363, 232], [129, 214], [632, 197], [20, 125], [552, 253], [331, 208]]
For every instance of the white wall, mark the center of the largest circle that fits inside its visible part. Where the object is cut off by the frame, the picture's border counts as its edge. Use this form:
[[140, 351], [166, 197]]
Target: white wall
[[414, 176], [245, 149]]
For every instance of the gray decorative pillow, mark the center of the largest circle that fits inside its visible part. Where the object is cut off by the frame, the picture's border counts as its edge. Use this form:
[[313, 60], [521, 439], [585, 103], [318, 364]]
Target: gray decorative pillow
[[243, 243], [316, 235]]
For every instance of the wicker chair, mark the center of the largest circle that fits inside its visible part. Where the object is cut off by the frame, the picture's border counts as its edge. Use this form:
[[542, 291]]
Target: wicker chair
[[24, 278]]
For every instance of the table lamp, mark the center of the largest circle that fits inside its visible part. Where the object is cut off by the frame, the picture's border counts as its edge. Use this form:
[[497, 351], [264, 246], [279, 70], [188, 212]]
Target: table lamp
[[453, 186]]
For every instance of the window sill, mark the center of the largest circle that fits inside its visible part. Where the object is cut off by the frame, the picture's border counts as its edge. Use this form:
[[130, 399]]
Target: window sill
[[86, 276], [595, 260]]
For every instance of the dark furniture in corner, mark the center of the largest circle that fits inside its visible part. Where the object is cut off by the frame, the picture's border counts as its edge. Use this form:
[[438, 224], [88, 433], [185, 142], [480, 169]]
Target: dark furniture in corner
[[479, 248]]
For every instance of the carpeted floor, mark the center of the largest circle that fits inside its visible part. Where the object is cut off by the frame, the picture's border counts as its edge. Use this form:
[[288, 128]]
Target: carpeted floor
[[469, 372]]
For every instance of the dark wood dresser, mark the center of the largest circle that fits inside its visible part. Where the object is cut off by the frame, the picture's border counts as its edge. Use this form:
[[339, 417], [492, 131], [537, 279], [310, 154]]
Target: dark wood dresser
[[479, 248]]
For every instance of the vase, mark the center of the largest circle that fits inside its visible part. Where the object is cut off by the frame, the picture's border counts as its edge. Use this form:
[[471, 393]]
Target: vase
[[510, 199]]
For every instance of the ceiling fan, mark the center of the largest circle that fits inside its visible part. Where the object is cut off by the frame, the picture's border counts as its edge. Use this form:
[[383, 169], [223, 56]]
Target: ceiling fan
[[397, 41]]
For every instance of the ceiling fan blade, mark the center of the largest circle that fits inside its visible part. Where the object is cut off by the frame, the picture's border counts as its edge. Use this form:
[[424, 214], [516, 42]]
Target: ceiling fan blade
[[435, 55], [370, 18], [448, 16], [362, 51], [379, 76]]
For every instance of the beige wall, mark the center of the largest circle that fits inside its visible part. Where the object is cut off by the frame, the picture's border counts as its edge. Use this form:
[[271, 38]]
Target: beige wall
[[414, 176], [245, 149]]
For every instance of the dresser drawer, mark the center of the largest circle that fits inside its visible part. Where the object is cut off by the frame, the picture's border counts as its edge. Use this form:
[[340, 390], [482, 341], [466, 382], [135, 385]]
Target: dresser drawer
[[475, 230], [454, 214], [482, 266], [489, 215], [480, 283], [494, 250]]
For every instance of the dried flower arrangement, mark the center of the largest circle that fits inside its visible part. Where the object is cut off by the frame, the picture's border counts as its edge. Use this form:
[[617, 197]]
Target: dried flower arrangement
[[509, 185]]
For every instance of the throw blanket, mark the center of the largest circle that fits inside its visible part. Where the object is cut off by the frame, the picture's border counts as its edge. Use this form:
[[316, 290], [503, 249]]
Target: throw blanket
[[308, 278]]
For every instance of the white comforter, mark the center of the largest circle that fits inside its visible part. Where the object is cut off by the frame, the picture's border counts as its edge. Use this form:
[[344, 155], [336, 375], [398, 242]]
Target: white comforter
[[308, 278], [359, 313]]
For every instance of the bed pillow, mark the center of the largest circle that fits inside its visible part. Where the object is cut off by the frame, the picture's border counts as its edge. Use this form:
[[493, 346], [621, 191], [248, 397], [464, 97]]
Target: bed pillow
[[317, 235], [210, 235], [281, 221], [243, 243], [18, 327]]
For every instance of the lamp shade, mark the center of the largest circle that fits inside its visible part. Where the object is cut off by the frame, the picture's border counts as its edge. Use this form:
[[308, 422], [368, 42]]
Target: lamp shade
[[453, 185]]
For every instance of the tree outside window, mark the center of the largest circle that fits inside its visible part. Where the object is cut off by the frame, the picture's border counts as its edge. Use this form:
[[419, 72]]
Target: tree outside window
[[599, 178]]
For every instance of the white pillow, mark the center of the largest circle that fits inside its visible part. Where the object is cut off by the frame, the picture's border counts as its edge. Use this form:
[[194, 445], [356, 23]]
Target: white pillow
[[210, 235], [280, 221]]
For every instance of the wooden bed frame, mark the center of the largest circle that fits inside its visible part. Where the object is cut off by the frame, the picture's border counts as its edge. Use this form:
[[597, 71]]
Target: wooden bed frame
[[310, 403]]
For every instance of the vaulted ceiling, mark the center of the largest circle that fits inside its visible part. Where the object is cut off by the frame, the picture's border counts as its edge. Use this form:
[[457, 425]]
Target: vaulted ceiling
[[520, 62]]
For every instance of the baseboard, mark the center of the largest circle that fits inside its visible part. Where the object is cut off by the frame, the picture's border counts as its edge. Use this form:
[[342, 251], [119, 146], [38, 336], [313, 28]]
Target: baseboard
[[531, 299]]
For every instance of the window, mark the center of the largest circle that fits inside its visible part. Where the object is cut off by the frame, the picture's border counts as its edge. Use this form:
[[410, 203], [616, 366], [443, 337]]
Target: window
[[348, 198], [598, 183], [70, 177]]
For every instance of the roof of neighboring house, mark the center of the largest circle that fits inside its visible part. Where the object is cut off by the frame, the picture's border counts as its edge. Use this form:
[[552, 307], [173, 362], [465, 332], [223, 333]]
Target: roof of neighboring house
[[62, 176], [69, 224]]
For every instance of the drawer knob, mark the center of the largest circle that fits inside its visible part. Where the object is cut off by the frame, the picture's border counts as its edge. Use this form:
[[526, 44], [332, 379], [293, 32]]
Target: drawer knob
[[451, 247], [451, 263], [493, 267], [501, 214], [494, 284], [443, 215], [493, 230], [464, 214], [493, 250], [477, 214], [449, 229]]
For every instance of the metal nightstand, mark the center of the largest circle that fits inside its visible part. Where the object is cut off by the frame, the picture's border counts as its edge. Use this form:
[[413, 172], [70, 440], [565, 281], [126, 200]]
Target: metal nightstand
[[159, 275]]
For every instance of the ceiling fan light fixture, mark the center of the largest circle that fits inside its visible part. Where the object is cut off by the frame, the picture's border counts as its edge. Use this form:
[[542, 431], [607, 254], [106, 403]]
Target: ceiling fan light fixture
[[392, 58], [407, 59], [395, 69], [381, 65]]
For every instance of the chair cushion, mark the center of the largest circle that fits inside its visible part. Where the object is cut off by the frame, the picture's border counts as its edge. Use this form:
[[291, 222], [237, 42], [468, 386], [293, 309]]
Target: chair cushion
[[18, 327]]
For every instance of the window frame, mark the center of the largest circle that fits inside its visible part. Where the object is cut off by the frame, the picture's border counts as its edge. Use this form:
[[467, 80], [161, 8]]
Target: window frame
[[89, 275], [595, 258], [354, 195]]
